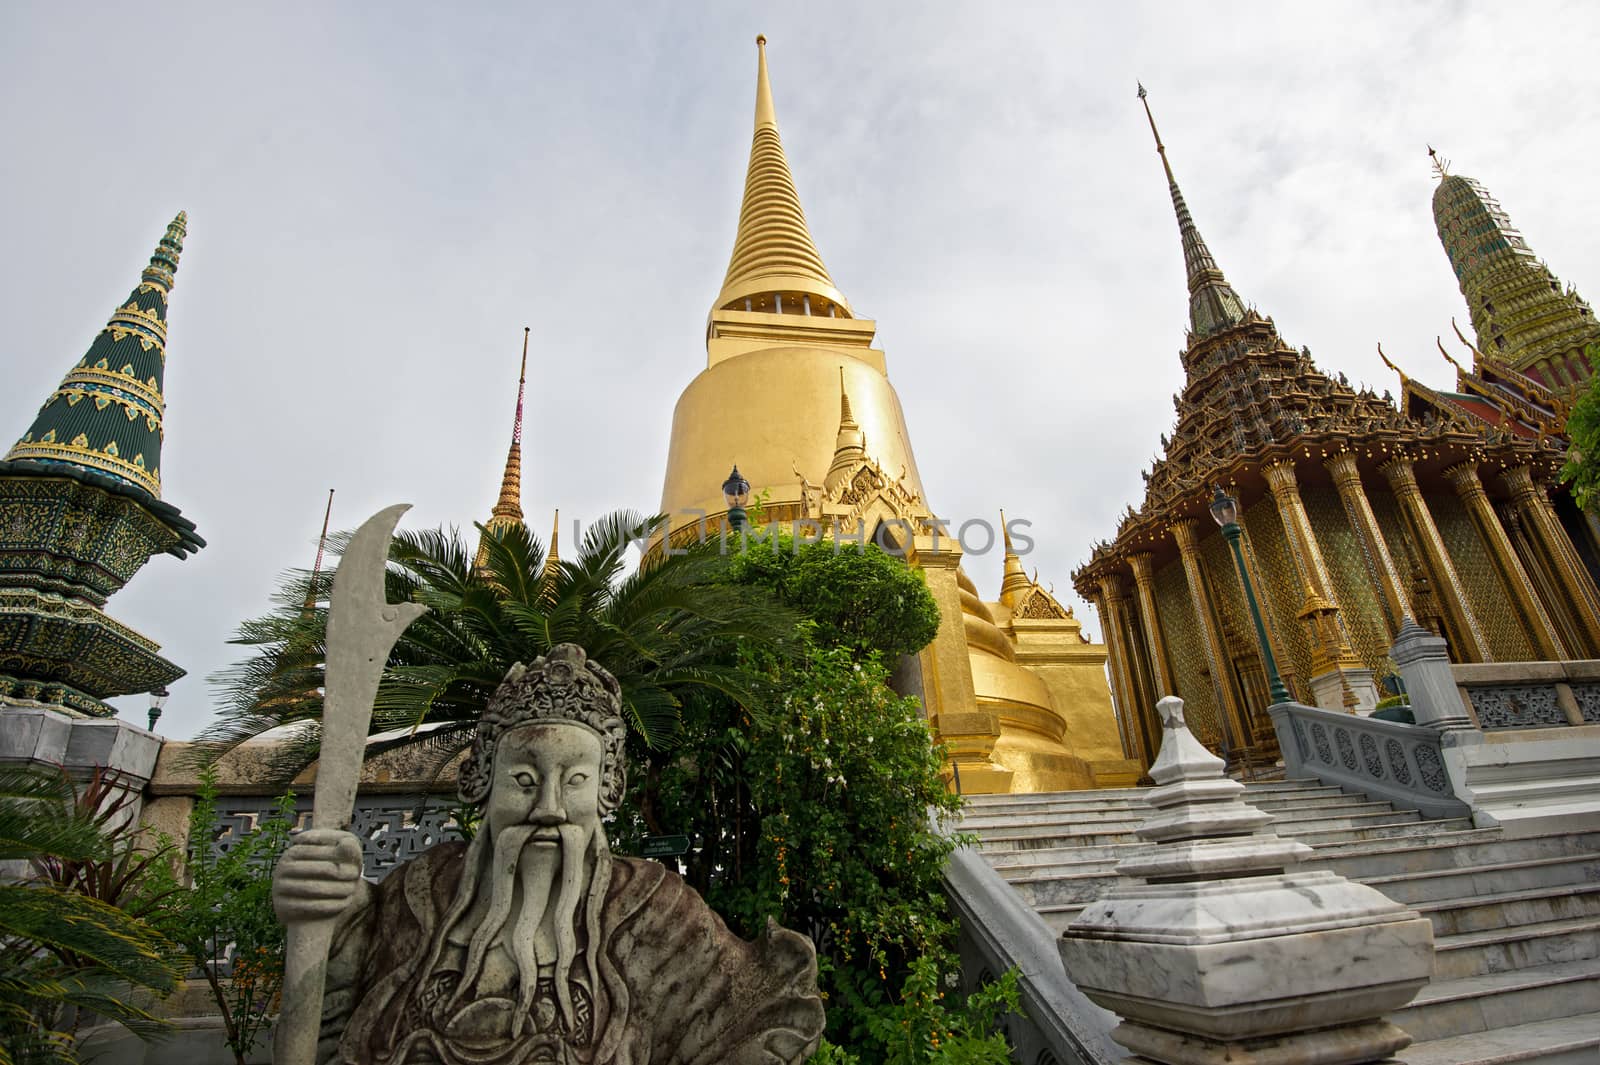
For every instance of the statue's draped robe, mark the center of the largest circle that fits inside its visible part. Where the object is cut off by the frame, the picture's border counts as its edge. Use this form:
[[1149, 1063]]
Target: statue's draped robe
[[677, 987]]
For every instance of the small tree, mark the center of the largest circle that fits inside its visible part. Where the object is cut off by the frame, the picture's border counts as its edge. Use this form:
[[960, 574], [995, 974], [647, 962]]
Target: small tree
[[230, 904], [1582, 470]]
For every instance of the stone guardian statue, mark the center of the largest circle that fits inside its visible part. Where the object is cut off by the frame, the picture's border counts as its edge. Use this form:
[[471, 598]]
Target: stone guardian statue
[[533, 942]]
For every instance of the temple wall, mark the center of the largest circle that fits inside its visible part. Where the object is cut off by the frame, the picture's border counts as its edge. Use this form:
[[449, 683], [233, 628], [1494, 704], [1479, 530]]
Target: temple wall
[[1185, 641], [1353, 582], [1486, 591], [1282, 596]]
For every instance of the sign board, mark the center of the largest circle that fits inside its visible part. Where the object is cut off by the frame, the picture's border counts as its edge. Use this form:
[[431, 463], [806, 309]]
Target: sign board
[[663, 846]]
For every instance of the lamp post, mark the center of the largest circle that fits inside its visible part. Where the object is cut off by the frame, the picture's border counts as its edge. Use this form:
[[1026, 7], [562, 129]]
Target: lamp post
[[736, 491], [158, 700], [1225, 509]]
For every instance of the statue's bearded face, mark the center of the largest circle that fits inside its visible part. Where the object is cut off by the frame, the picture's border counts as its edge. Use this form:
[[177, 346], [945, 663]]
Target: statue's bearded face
[[535, 875], [546, 775]]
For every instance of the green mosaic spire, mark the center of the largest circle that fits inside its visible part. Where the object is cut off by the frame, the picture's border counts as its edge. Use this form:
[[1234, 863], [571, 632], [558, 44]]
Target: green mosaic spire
[[106, 414], [1523, 316]]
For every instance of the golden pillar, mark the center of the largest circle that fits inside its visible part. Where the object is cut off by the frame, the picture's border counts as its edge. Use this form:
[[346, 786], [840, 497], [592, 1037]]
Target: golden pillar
[[1561, 559], [947, 691], [1347, 479], [1463, 477], [1144, 581], [1331, 651], [1119, 688], [1466, 637], [1236, 724], [1136, 708]]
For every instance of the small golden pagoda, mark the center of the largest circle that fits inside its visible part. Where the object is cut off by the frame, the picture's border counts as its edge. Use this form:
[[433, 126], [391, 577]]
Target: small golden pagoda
[[795, 394], [1356, 515]]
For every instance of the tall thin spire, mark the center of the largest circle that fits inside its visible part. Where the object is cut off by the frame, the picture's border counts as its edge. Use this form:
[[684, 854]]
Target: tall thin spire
[[1014, 582], [775, 266], [1213, 305], [552, 557], [850, 446], [507, 510], [106, 415], [316, 566]]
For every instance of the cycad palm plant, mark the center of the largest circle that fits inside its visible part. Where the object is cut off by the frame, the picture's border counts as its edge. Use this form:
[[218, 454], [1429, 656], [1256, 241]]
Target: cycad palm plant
[[671, 624], [62, 950]]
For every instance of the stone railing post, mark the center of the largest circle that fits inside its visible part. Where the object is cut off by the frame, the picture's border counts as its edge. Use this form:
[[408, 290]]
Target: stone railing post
[[1425, 668], [1226, 951]]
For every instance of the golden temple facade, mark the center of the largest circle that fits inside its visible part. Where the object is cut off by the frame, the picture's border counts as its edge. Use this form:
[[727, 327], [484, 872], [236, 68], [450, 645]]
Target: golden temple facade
[[1356, 513], [796, 395]]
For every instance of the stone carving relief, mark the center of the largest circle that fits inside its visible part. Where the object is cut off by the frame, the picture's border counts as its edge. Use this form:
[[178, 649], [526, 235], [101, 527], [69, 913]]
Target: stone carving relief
[[1503, 706]]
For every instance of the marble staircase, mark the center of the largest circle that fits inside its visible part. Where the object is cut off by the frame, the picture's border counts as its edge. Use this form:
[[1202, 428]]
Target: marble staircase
[[1516, 921]]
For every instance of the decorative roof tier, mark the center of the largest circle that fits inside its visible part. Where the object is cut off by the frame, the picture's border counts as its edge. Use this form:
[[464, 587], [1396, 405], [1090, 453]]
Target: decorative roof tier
[[1524, 318], [774, 260], [1213, 304], [106, 414]]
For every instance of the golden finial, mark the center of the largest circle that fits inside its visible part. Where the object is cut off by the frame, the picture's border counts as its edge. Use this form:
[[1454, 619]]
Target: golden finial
[[1161, 149], [1392, 366], [1448, 357], [1441, 165], [766, 114], [1478, 357], [1005, 532]]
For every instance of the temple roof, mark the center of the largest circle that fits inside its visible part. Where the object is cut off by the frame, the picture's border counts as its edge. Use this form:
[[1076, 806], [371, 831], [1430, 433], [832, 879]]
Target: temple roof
[[773, 254], [106, 415], [1213, 304]]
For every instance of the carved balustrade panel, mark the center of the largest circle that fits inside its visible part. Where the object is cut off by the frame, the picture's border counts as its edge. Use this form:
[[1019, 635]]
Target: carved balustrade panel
[[1505, 706]]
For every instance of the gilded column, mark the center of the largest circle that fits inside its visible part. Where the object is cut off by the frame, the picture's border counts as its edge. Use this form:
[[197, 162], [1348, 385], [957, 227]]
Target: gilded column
[[1236, 727], [1561, 557], [1331, 650], [1463, 477], [1144, 580], [1139, 708], [1466, 636], [1347, 479], [1131, 746]]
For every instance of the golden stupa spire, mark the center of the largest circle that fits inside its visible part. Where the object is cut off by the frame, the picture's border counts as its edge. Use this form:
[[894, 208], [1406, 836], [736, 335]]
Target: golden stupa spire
[[775, 266], [552, 557], [1014, 584], [507, 510], [850, 447]]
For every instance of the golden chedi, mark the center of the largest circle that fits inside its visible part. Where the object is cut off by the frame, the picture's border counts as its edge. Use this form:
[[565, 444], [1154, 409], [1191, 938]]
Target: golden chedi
[[795, 394]]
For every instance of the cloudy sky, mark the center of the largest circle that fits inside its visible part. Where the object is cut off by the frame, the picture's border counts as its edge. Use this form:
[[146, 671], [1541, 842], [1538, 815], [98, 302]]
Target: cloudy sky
[[382, 196]]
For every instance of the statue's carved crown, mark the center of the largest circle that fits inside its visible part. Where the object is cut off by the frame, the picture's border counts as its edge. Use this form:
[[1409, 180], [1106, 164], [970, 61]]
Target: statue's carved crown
[[562, 687]]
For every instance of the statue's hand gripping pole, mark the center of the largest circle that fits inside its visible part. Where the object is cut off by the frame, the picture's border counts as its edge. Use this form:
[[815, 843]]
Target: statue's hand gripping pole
[[362, 629]]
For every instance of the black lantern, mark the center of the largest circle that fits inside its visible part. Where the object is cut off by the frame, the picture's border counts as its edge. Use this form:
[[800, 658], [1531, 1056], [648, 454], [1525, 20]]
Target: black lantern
[[1225, 509], [736, 490], [158, 700]]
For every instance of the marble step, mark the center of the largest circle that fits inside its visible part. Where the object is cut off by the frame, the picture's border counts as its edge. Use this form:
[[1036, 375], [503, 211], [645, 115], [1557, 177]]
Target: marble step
[[1321, 808], [1071, 802], [1494, 1000], [1562, 1041], [1495, 878], [1000, 849], [1508, 909], [1449, 848], [1524, 946]]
